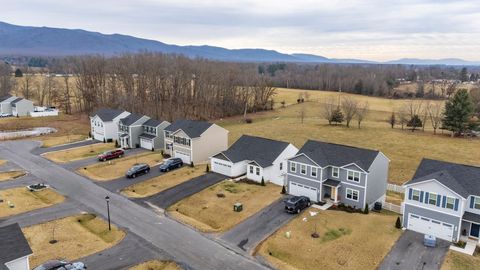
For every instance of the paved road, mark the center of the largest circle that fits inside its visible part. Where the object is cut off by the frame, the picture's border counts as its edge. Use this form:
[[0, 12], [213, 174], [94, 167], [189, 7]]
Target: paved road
[[183, 244], [25, 180], [123, 182], [89, 161], [42, 150], [410, 253], [179, 192], [248, 234]]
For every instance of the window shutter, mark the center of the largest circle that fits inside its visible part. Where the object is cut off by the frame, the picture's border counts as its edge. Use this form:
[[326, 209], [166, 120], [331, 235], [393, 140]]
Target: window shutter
[[426, 198], [444, 201], [421, 196], [410, 193], [439, 198], [456, 204], [472, 202]]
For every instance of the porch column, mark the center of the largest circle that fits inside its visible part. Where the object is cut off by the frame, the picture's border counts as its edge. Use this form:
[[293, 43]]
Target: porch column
[[336, 195]]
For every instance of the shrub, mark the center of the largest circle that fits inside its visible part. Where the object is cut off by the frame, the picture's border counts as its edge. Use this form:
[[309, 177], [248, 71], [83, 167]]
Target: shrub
[[263, 182], [104, 141], [207, 169], [191, 164], [248, 120], [90, 134], [284, 190], [398, 223], [117, 145], [366, 210]]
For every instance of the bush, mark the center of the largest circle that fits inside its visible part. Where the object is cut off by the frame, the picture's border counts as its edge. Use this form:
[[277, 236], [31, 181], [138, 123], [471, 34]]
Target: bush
[[117, 145], [207, 169], [398, 223], [104, 141], [284, 190], [191, 164], [366, 210], [248, 120], [263, 182], [90, 134]]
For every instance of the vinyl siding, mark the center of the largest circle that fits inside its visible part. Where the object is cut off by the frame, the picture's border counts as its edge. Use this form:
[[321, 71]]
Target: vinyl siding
[[213, 141], [377, 180], [23, 108]]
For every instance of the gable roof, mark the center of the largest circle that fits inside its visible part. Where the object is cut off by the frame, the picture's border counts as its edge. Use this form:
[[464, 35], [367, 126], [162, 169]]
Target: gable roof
[[5, 98], [462, 179], [16, 100], [261, 150], [107, 114], [191, 127], [131, 119], [152, 123], [13, 244], [330, 154]]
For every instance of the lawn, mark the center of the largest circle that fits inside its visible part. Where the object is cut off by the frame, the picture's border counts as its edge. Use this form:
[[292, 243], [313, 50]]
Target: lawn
[[116, 168], [395, 197], [404, 148], [78, 153], [25, 200], [2, 162], [346, 241], [4, 176], [59, 140], [77, 237], [210, 213], [459, 261], [156, 265], [163, 182]]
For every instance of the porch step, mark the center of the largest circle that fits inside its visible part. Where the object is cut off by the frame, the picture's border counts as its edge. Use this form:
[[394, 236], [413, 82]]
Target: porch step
[[469, 248], [322, 207]]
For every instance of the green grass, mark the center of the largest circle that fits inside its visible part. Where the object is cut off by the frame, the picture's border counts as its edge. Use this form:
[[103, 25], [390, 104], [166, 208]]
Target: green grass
[[333, 234]]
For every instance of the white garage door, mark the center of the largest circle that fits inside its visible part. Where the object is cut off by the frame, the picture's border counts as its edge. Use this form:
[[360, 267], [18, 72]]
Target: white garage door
[[430, 226], [221, 166], [301, 190], [146, 143], [184, 156]]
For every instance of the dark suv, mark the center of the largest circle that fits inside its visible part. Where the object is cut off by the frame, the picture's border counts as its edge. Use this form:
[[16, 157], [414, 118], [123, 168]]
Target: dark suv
[[117, 153], [171, 164], [296, 204], [137, 170]]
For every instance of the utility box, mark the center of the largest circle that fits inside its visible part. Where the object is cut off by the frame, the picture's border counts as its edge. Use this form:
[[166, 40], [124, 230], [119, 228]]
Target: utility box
[[238, 207]]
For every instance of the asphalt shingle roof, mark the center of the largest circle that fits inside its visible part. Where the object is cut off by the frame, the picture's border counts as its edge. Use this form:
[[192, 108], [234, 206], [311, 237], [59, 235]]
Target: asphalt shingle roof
[[132, 118], [261, 150], [13, 244], [152, 123], [191, 127], [15, 101], [147, 136], [5, 98], [325, 154], [469, 216], [463, 179], [107, 114]]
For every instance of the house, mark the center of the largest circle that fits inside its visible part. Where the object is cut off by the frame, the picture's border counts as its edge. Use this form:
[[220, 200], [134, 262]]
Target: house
[[153, 134], [104, 124], [256, 157], [129, 130], [195, 141], [338, 174], [15, 106], [14, 249], [443, 199]]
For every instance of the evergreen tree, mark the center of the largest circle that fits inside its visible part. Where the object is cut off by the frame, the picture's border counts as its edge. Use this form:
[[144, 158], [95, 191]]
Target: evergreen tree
[[392, 120], [415, 122], [366, 210], [458, 111], [18, 73], [398, 223], [207, 169], [464, 75], [263, 182], [337, 116], [284, 190]]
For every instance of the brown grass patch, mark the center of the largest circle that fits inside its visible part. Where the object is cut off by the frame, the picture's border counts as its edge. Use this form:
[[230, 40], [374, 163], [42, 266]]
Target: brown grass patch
[[4, 176], [59, 140], [2, 162], [25, 200], [216, 214], [78, 153], [156, 265], [459, 261], [394, 197], [77, 236]]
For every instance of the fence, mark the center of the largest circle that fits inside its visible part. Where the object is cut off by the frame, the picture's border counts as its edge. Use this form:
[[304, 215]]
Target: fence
[[395, 188], [392, 207]]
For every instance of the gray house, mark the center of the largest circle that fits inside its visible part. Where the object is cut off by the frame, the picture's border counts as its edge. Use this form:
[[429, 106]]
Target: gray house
[[15, 106], [443, 199], [153, 136], [129, 130], [338, 174], [14, 248]]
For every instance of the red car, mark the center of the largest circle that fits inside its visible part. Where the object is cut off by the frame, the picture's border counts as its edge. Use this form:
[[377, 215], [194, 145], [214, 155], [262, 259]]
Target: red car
[[117, 153]]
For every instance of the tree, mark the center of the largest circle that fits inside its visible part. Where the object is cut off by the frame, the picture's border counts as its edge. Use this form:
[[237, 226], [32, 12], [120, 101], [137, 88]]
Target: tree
[[328, 108], [398, 223], [458, 111], [207, 169], [284, 190], [475, 96], [337, 116], [435, 113], [464, 75], [414, 123], [392, 120], [301, 114], [420, 90], [366, 210], [349, 108], [263, 182], [18, 73], [362, 113]]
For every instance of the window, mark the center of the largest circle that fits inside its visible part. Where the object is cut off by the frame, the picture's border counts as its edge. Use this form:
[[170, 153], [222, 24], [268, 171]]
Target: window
[[314, 172], [450, 203], [293, 167], [281, 166], [251, 169], [335, 172], [352, 194], [416, 195], [476, 204], [257, 171], [303, 169], [167, 134], [432, 198], [353, 176]]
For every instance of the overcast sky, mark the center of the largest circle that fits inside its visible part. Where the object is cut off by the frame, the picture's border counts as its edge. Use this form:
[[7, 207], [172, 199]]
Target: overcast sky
[[365, 29]]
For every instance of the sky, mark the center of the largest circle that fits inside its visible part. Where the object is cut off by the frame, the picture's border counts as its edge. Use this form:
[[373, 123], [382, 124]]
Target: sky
[[377, 30]]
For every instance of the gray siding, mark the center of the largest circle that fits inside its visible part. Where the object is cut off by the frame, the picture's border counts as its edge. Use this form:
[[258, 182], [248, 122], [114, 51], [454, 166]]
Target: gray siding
[[377, 179], [160, 139], [135, 132], [308, 171], [342, 196], [302, 159]]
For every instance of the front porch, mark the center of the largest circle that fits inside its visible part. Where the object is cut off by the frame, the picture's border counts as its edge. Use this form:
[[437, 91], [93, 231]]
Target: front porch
[[470, 229], [124, 140], [330, 191]]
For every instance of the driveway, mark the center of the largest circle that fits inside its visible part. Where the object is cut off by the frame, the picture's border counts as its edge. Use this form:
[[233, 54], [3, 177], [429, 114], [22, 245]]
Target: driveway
[[42, 150], [179, 192], [248, 234], [89, 161], [118, 184], [410, 253]]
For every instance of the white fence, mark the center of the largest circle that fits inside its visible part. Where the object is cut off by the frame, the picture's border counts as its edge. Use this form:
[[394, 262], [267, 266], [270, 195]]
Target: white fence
[[44, 113], [392, 207], [395, 188]]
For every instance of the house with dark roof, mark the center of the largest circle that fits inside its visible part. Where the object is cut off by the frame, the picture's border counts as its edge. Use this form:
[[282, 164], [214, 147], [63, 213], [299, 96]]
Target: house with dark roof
[[443, 199], [14, 249], [15, 106], [255, 157], [335, 173], [104, 124], [129, 130], [153, 135], [195, 141]]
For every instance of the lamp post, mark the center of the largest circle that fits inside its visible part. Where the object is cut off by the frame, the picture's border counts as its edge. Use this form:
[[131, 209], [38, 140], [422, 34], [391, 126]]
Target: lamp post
[[108, 212]]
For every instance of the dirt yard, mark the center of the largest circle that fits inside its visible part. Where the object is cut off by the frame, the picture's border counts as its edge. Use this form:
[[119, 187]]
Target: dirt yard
[[78, 153], [156, 265], [77, 236], [458, 261], [25, 200], [394, 197], [4, 176], [210, 213]]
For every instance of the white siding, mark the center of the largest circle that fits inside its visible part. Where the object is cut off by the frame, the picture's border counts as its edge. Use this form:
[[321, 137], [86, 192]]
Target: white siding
[[19, 264]]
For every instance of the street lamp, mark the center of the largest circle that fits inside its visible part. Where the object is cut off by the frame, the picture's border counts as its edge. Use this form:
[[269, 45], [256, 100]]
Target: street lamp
[[108, 212]]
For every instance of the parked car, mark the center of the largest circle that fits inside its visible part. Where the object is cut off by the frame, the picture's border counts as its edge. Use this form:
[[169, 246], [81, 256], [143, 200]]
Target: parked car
[[37, 187], [137, 170], [5, 115], [117, 153], [61, 265], [296, 204], [171, 164]]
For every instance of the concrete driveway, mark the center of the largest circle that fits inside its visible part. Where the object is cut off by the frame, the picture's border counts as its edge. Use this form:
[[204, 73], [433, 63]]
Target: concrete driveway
[[410, 253]]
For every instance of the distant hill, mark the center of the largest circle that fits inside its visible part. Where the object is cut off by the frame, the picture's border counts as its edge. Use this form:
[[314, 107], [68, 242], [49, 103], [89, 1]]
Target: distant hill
[[46, 41]]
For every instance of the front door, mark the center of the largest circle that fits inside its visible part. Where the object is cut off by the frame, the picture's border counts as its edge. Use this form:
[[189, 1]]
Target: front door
[[474, 230], [334, 194]]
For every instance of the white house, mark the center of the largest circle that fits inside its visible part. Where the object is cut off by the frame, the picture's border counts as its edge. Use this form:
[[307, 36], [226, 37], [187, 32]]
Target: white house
[[14, 248], [256, 158], [15, 106], [104, 124]]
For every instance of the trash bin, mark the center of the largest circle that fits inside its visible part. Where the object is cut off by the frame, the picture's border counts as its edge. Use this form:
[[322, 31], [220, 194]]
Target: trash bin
[[238, 207], [377, 206], [429, 240]]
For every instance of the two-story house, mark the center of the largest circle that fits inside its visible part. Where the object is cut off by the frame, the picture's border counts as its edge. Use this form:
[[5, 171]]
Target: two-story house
[[443, 199], [153, 134], [195, 141], [338, 174], [14, 248], [104, 124], [256, 158], [129, 130]]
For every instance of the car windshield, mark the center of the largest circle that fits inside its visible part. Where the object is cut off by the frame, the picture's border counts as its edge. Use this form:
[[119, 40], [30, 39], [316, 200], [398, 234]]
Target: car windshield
[[106, 153], [168, 162]]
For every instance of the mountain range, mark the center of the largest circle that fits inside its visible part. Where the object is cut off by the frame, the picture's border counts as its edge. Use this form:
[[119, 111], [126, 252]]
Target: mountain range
[[18, 40]]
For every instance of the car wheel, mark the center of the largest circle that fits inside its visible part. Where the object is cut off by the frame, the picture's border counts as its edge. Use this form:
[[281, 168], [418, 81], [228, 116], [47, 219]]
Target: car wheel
[[147, 171], [298, 211], [120, 156], [309, 203], [134, 175], [104, 159]]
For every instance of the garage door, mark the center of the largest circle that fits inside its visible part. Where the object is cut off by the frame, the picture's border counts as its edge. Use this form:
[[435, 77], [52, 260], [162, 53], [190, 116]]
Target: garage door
[[184, 156], [301, 190], [430, 226], [221, 166], [145, 143]]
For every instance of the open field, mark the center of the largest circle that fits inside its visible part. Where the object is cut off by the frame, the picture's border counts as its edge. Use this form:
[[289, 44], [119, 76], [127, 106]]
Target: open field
[[156, 265], [459, 261], [4, 176], [346, 241], [163, 182], [404, 148], [25, 200], [78, 153], [109, 170], [210, 213], [77, 236]]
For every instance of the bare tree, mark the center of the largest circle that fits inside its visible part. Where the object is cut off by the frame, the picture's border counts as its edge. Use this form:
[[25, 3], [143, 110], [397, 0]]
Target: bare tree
[[435, 112], [392, 120], [6, 81], [349, 107], [301, 114], [424, 112], [328, 109], [362, 113]]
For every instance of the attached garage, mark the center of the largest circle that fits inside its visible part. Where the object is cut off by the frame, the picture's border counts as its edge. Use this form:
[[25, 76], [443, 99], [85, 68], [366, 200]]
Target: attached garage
[[184, 156], [298, 189], [146, 143], [430, 226], [221, 166]]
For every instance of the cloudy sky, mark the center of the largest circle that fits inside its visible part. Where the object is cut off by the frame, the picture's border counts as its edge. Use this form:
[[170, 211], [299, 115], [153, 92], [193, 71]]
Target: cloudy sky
[[364, 29]]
